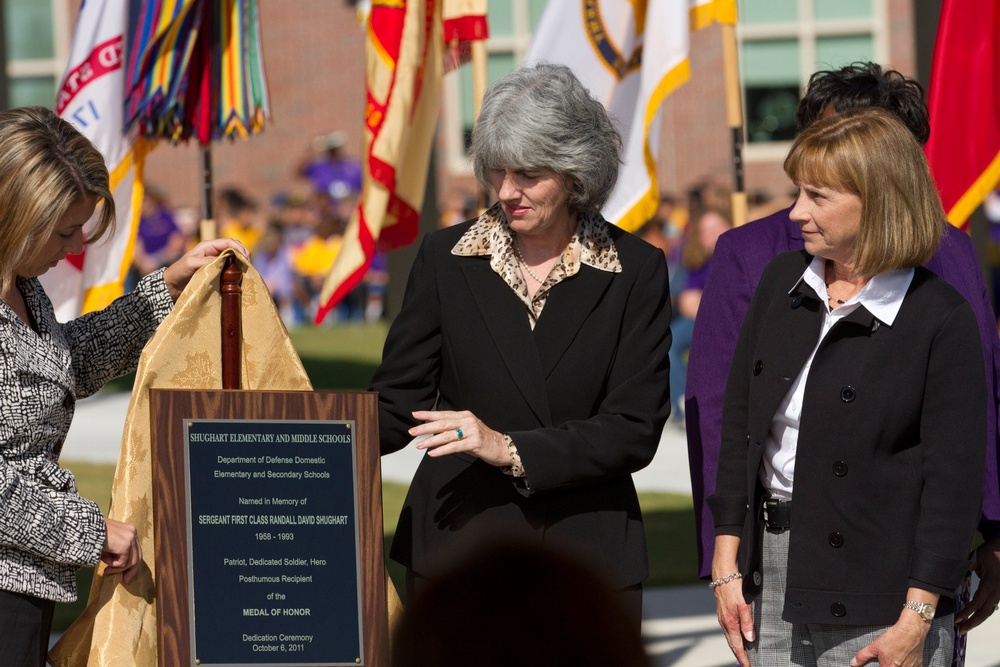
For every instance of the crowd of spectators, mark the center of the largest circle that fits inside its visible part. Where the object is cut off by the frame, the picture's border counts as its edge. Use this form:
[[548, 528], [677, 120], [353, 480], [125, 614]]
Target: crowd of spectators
[[294, 238]]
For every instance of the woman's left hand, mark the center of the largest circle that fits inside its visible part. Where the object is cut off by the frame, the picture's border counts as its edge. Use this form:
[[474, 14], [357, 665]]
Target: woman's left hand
[[452, 431], [902, 645], [178, 274]]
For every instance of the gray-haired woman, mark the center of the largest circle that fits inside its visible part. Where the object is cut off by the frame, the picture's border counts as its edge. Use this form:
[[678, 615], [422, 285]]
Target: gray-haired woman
[[530, 354]]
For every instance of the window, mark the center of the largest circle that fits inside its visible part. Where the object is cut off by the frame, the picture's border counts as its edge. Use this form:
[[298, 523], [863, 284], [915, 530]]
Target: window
[[36, 34], [783, 42], [512, 24]]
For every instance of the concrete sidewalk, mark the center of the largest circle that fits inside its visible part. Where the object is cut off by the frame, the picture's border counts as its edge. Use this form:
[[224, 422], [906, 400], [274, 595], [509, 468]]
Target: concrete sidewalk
[[679, 623], [96, 434]]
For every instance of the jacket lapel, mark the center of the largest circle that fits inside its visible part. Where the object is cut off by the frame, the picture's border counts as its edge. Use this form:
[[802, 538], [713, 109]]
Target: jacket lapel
[[507, 323], [569, 305], [785, 355]]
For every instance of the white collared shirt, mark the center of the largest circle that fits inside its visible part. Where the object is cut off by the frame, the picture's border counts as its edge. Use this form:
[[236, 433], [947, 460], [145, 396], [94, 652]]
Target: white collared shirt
[[882, 296]]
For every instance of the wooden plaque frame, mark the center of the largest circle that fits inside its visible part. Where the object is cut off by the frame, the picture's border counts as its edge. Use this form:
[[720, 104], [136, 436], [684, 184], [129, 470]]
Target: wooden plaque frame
[[169, 410]]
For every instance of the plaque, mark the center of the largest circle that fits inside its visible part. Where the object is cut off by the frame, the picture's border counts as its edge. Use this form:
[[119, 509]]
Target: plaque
[[268, 529], [273, 542]]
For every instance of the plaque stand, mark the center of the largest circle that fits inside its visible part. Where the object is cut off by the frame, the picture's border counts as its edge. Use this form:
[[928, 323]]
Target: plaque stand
[[172, 411]]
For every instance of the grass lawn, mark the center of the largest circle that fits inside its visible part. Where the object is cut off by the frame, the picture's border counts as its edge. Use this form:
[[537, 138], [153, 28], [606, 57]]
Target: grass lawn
[[345, 358]]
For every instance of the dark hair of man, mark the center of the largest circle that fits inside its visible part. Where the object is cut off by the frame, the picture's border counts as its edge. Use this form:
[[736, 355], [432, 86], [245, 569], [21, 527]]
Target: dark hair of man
[[864, 84]]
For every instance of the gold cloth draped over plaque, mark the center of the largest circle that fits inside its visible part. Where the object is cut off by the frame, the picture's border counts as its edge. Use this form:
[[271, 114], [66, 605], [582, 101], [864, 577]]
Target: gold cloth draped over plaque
[[118, 626]]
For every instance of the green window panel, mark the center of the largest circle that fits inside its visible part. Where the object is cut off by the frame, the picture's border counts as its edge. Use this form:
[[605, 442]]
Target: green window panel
[[771, 79], [28, 29], [497, 64], [501, 18], [32, 91], [826, 10], [768, 11], [771, 62], [834, 52]]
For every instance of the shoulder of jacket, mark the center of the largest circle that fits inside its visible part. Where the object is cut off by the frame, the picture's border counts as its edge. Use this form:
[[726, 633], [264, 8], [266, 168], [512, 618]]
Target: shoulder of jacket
[[928, 287], [788, 266], [632, 249]]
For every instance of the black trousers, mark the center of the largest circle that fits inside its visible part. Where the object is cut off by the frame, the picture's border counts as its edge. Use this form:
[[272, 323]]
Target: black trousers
[[25, 625]]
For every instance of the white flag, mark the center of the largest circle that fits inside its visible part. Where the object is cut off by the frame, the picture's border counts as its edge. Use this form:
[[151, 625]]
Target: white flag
[[91, 98], [630, 55]]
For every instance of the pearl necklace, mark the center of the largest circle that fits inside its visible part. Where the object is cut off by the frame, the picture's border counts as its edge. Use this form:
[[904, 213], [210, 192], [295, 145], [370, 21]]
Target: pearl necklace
[[830, 296], [520, 257]]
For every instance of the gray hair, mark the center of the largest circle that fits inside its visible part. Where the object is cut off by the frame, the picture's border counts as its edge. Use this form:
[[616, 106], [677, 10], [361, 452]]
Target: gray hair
[[542, 117]]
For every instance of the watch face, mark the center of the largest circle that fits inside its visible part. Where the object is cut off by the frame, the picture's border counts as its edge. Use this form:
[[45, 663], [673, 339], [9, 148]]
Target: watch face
[[924, 609]]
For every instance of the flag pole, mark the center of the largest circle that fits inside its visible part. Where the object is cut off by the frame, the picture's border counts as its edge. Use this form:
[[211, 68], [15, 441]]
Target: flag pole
[[480, 80], [208, 229], [734, 119]]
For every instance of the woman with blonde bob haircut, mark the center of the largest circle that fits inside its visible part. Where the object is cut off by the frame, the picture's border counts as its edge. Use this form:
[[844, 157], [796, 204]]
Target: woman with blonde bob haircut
[[872, 154], [51, 181], [854, 424]]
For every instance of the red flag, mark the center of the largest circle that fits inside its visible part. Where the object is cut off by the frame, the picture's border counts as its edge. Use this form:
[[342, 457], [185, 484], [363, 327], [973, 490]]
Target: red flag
[[404, 56], [964, 104]]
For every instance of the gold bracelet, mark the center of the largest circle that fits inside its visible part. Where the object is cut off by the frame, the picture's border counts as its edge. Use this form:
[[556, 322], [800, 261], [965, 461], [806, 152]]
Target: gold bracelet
[[725, 580]]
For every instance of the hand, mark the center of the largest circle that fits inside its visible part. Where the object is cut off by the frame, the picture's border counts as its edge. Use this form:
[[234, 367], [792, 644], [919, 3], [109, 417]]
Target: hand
[[177, 275], [477, 438], [735, 617], [122, 551], [984, 602], [902, 645]]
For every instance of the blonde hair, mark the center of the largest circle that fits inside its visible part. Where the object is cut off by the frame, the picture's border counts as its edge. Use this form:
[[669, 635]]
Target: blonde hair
[[871, 153], [46, 166]]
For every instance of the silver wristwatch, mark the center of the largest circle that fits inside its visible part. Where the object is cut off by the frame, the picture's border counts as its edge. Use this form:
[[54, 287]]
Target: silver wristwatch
[[925, 609]]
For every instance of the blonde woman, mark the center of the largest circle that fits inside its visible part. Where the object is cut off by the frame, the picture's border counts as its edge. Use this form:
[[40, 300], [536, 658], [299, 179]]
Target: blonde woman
[[52, 180], [854, 428]]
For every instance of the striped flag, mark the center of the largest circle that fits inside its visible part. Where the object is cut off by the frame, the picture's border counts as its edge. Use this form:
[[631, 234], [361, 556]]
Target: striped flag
[[964, 104], [631, 55], [404, 57], [195, 70], [90, 97]]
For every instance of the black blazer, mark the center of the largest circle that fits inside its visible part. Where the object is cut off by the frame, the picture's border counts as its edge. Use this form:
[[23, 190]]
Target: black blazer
[[889, 466], [584, 396]]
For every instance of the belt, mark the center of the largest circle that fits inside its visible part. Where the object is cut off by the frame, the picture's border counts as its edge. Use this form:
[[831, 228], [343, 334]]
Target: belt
[[777, 515]]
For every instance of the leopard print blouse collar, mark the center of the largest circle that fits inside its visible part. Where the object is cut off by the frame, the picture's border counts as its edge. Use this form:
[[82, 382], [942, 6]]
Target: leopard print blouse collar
[[491, 236]]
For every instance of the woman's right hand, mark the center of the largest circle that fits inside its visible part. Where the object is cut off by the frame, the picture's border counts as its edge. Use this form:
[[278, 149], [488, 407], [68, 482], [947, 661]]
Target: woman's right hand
[[735, 615], [122, 551], [177, 275]]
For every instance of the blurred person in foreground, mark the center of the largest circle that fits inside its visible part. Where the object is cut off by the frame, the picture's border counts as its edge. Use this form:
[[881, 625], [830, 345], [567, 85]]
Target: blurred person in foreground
[[854, 428], [52, 179], [740, 258], [530, 353], [560, 613]]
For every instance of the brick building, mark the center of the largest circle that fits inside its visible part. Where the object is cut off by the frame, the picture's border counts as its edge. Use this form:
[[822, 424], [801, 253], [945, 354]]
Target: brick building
[[313, 52]]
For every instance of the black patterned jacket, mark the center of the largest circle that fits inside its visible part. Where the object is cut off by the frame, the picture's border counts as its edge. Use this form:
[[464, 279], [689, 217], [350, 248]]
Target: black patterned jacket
[[47, 530]]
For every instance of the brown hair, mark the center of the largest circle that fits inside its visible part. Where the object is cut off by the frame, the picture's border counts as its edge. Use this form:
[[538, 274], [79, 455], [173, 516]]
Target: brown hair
[[693, 254], [46, 166], [870, 153]]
